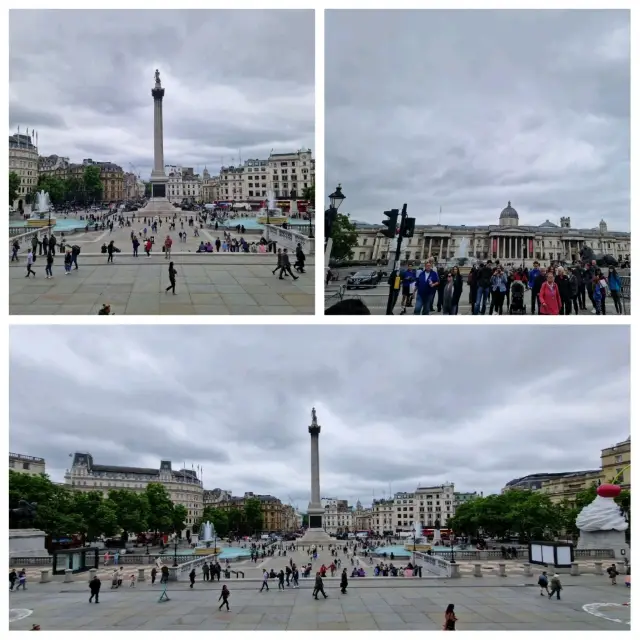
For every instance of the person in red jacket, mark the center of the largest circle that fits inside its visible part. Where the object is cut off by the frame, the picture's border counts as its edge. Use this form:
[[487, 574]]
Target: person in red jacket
[[549, 297]]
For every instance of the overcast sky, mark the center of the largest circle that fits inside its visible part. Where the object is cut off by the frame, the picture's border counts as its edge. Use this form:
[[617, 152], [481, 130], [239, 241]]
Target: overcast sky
[[466, 110], [450, 404], [234, 80]]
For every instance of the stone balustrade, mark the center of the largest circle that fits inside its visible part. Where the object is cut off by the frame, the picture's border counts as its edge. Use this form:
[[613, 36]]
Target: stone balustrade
[[434, 564], [289, 239], [182, 571]]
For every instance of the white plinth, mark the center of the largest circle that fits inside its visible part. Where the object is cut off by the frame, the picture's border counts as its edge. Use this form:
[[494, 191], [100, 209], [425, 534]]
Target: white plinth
[[316, 536], [157, 206], [24, 543], [614, 540]]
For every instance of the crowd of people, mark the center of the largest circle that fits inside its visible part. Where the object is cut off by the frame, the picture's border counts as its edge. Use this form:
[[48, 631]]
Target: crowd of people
[[497, 289]]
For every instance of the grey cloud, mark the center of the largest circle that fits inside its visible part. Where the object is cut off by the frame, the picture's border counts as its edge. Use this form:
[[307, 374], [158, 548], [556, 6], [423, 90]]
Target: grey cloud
[[466, 110], [236, 82], [474, 405]]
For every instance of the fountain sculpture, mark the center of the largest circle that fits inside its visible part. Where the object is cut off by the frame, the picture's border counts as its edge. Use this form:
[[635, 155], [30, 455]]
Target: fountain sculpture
[[271, 214], [40, 216], [207, 540]]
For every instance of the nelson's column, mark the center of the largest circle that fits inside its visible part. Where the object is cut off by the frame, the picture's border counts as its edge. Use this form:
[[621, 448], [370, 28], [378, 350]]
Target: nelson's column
[[158, 203], [315, 532]]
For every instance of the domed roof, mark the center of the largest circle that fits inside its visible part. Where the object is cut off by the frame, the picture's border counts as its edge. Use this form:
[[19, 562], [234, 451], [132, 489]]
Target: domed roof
[[509, 212]]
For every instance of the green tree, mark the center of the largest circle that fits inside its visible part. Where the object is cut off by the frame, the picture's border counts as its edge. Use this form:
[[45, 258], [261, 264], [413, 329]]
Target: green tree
[[75, 191], [236, 521], [309, 193], [178, 517], [305, 519], [55, 187], [132, 510], [345, 238], [160, 515], [14, 185], [98, 516], [218, 518], [253, 515], [92, 183]]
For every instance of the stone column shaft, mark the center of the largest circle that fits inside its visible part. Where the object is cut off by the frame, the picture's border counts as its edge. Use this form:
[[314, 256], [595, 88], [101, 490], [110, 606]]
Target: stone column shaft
[[315, 470], [158, 149]]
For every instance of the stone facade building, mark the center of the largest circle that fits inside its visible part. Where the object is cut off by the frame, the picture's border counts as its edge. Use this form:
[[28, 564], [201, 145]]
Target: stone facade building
[[616, 463], [183, 486], [280, 174], [23, 161], [508, 241], [271, 507], [183, 184], [21, 463]]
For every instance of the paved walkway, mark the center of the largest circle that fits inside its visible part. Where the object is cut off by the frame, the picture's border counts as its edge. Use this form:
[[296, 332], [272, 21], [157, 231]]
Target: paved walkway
[[231, 283], [588, 603]]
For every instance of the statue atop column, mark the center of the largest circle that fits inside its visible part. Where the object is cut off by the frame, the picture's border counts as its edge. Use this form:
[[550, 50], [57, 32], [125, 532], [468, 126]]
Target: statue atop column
[[157, 78], [314, 417]]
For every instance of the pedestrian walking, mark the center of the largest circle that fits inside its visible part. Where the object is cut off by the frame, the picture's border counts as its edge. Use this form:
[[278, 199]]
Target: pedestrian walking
[[450, 619], [13, 577], [300, 258], [167, 247], [205, 572], [265, 581], [556, 586], [192, 578], [75, 252], [154, 573], [172, 279], [613, 573], [319, 587], [67, 262], [344, 581], [14, 251], [281, 580], [543, 583], [286, 265], [94, 587], [279, 262], [22, 580], [30, 260], [224, 596], [49, 267]]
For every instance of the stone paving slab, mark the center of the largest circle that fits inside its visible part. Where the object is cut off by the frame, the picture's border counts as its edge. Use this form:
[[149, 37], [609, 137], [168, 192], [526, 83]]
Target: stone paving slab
[[419, 606], [215, 287]]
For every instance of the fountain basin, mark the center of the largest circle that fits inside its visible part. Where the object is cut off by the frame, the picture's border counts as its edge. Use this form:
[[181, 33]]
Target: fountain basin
[[206, 551], [40, 222], [272, 219]]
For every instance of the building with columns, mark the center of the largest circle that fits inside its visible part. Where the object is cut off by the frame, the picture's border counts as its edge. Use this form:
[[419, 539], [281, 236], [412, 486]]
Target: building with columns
[[183, 184], [23, 161], [184, 487], [507, 241]]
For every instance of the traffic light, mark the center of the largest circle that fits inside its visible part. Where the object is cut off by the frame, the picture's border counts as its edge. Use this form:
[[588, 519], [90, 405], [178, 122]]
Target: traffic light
[[408, 228], [391, 223], [330, 216]]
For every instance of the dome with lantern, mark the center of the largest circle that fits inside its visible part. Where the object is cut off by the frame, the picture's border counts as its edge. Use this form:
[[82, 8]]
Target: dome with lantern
[[509, 216]]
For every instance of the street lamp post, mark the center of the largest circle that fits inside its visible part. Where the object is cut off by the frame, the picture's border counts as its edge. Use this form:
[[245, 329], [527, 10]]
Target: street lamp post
[[330, 215], [175, 552], [451, 545]]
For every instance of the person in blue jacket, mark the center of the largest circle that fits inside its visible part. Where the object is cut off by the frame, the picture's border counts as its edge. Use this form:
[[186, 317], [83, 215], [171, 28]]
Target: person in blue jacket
[[533, 274], [426, 288], [407, 277], [615, 288]]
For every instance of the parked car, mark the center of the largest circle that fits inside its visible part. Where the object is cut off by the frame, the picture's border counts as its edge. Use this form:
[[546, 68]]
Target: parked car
[[363, 279]]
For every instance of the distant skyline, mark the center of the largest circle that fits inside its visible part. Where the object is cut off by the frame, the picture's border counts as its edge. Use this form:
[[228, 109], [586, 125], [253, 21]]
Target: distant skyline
[[446, 405], [471, 109], [83, 80]]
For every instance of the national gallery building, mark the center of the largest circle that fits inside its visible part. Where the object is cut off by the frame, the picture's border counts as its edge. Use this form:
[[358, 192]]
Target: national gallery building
[[507, 241]]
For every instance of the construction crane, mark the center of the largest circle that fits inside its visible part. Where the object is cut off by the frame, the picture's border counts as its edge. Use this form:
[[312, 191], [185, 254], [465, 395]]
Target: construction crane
[[135, 169]]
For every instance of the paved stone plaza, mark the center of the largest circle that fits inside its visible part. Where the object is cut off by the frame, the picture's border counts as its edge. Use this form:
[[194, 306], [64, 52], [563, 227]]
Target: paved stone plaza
[[488, 603], [480, 605], [207, 284]]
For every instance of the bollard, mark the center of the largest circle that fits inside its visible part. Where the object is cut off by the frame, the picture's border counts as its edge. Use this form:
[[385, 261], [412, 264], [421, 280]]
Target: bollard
[[141, 577], [68, 575], [597, 568], [92, 574], [502, 569], [455, 571], [44, 575], [527, 570], [575, 569], [477, 571]]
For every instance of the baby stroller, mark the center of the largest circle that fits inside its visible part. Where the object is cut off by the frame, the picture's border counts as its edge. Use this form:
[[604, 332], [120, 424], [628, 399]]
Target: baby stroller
[[517, 306]]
